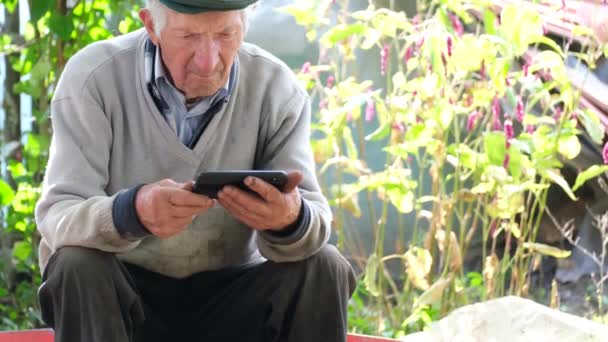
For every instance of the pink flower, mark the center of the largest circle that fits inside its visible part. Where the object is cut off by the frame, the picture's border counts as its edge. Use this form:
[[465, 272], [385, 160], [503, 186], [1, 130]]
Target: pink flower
[[526, 69], [507, 82], [472, 120], [519, 109], [416, 20], [605, 153], [575, 115], [330, 81], [456, 25], [449, 43], [509, 132], [557, 114], [420, 42], [384, 56], [408, 54], [468, 101], [370, 110], [496, 124], [530, 129], [505, 162], [323, 104], [399, 127], [305, 68]]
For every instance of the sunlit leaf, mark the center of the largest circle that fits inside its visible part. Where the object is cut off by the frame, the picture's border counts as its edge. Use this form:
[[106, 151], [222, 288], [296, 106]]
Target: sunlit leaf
[[17, 169], [341, 32], [418, 263], [495, 147], [454, 257], [6, 193], [590, 173], [22, 250], [569, 146], [547, 250], [371, 275], [434, 293], [380, 133], [592, 125], [556, 178]]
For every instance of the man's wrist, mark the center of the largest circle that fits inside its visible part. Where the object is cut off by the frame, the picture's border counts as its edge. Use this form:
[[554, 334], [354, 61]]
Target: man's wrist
[[125, 216], [294, 231]]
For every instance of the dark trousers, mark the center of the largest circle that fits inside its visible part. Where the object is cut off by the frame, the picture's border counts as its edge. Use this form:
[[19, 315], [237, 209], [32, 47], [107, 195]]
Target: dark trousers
[[90, 296]]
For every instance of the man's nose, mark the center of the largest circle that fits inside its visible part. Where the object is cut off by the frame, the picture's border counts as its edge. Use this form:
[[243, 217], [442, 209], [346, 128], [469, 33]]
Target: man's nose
[[207, 56]]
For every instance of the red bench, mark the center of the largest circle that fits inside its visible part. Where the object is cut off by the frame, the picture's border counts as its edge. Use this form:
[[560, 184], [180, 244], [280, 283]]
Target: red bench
[[47, 336]]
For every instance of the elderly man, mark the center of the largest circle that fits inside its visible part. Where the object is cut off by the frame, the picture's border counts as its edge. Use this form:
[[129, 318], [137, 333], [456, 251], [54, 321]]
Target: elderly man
[[128, 251]]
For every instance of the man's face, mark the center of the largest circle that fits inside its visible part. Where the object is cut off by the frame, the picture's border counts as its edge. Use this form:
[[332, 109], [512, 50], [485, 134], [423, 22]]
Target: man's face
[[198, 49]]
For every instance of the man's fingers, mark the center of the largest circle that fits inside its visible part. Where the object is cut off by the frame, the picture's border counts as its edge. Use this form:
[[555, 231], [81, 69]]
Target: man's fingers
[[187, 186], [180, 197], [267, 191], [178, 212], [229, 199], [240, 213], [294, 178]]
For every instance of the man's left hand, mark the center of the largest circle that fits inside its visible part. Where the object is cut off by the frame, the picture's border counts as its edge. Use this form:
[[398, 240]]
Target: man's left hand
[[273, 210]]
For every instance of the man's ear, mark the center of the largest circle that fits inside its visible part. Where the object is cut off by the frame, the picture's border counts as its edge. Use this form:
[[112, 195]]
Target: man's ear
[[146, 19]]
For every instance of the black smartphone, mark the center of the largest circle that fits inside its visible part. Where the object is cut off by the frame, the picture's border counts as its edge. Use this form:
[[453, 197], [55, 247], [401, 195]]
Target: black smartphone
[[211, 182]]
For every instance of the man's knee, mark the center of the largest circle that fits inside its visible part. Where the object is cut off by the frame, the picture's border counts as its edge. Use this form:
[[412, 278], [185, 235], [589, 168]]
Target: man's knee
[[80, 262], [331, 264]]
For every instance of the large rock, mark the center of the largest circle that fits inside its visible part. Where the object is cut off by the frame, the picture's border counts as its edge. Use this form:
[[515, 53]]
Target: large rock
[[511, 319]]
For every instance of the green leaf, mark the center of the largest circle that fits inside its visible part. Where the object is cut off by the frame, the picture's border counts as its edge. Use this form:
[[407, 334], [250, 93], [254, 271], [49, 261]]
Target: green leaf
[[37, 145], [61, 25], [38, 9], [549, 42], [16, 168], [380, 133], [434, 293], [351, 148], [11, 5], [6, 193], [556, 178], [402, 199], [3, 292], [592, 125], [489, 21], [303, 12], [340, 33], [547, 250], [22, 250], [371, 38], [371, 275], [569, 146], [495, 147], [590, 173], [40, 71], [399, 80]]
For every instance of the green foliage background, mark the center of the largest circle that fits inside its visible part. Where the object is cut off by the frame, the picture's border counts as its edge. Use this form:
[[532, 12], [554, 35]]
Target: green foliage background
[[52, 35]]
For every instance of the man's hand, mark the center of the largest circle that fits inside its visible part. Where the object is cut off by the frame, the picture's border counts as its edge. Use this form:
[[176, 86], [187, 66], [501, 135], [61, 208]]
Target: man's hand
[[166, 208], [275, 210]]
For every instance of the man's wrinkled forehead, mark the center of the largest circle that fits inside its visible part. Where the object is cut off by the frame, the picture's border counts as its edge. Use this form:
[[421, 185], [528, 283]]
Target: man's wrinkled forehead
[[199, 6]]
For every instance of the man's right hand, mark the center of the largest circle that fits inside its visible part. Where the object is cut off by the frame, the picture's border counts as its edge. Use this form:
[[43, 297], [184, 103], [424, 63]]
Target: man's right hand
[[166, 207]]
